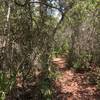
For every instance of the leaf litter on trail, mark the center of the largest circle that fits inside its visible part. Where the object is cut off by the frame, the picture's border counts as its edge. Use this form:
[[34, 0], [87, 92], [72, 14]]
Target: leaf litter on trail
[[74, 86]]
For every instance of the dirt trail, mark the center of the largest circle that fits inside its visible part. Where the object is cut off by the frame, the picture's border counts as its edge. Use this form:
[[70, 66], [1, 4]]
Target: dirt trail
[[74, 86]]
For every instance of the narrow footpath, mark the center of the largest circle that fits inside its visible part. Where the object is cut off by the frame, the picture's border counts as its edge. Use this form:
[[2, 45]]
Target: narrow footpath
[[74, 86]]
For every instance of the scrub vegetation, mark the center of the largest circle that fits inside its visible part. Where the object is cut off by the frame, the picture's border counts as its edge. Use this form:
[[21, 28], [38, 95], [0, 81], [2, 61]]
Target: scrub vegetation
[[49, 49]]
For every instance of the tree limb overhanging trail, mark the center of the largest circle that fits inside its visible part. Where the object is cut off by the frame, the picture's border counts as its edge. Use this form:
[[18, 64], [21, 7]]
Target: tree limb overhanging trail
[[63, 15], [38, 2], [63, 12]]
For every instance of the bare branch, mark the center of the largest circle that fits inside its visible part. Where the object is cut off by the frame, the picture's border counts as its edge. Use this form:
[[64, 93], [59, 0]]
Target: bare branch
[[8, 13], [38, 2]]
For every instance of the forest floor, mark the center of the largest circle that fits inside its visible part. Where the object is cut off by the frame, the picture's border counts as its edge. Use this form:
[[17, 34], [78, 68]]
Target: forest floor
[[71, 85]]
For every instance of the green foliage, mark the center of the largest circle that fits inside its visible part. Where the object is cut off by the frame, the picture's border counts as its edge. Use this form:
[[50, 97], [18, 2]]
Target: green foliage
[[6, 82], [3, 86], [77, 64], [97, 72], [81, 11], [83, 61], [47, 82], [62, 49], [53, 74], [46, 88]]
